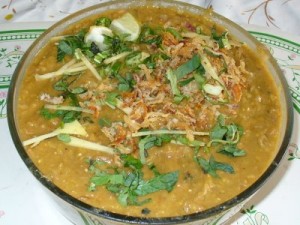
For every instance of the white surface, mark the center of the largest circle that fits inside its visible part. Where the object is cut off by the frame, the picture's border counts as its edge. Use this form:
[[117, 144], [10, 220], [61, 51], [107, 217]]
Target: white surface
[[281, 14]]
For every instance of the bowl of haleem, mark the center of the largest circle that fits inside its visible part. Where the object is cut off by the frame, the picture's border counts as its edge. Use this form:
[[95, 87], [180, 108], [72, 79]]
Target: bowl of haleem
[[149, 112]]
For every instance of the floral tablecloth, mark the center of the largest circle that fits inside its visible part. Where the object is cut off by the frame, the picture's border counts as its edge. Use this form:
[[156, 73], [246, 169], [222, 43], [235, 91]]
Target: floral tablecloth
[[273, 22]]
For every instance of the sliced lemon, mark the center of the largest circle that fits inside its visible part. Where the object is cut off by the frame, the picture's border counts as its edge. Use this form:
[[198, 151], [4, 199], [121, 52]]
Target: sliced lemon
[[127, 26], [97, 34]]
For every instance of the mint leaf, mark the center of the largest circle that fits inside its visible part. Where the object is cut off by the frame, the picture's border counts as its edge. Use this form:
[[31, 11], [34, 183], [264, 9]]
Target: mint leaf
[[111, 98], [103, 21], [78, 90], [150, 36], [188, 67], [161, 182], [130, 161], [104, 122], [173, 82], [129, 184], [231, 150], [68, 44], [211, 166], [64, 138], [149, 142], [218, 132], [227, 134]]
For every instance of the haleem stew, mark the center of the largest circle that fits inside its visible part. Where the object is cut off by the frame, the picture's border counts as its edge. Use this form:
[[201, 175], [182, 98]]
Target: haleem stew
[[149, 112]]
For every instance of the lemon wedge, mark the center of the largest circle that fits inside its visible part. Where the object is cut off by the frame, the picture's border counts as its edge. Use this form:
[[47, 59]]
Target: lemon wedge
[[126, 25], [97, 34]]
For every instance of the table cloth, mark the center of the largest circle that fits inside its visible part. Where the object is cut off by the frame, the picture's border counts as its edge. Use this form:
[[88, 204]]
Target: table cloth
[[275, 23]]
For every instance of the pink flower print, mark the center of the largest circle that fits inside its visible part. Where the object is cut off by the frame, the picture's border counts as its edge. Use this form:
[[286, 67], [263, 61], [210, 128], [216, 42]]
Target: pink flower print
[[18, 47], [292, 56], [2, 213], [3, 94]]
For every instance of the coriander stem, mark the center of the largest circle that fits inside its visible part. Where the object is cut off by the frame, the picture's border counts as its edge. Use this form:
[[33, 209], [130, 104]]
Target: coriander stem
[[157, 132]]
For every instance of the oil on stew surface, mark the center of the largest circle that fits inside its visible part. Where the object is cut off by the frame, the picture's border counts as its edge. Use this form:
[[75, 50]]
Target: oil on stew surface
[[157, 116]]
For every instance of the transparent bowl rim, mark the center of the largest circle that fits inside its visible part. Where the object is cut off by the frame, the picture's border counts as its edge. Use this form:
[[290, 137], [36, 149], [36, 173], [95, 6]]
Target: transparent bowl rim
[[11, 106]]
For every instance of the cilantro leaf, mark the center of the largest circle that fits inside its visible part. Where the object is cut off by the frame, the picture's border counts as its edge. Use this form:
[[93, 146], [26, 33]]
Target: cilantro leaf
[[70, 116], [103, 21], [116, 44], [150, 36], [126, 83], [61, 85], [68, 44]]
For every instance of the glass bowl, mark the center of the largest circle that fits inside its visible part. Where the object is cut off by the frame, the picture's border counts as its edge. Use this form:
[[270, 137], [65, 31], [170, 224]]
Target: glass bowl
[[81, 213]]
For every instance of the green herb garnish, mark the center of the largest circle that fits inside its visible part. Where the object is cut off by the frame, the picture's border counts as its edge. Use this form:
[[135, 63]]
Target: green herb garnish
[[103, 21], [188, 67], [64, 138], [111, 98], [129, 185], [211, 166], [104, 122], [150, 36], [68, 44], [149, 142], [221, 39]]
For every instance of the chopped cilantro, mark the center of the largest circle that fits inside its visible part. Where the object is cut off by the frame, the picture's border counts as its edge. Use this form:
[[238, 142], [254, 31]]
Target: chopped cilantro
[[61, 85], [150, 36], [103, 21], [65, 116], [126, 83], [151, 61], [68, 44]]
